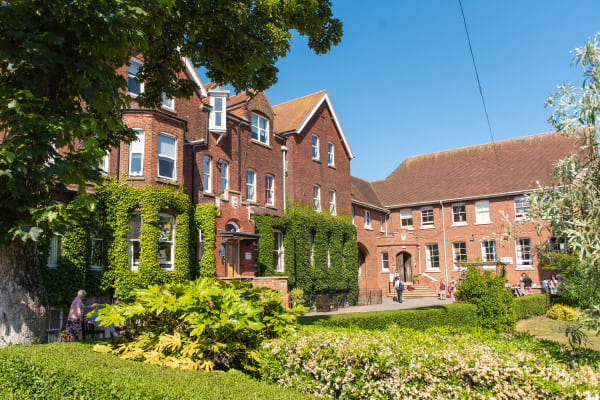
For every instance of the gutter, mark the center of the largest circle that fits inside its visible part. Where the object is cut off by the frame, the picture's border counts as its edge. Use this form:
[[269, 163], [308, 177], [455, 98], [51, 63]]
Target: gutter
[[376, 208], [444, 236]]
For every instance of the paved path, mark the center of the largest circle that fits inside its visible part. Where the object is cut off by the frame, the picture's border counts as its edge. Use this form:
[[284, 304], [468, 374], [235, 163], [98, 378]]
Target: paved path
[[388, 304]]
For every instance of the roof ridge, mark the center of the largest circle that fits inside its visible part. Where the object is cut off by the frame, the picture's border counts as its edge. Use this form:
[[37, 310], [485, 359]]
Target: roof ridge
[[301, 97]]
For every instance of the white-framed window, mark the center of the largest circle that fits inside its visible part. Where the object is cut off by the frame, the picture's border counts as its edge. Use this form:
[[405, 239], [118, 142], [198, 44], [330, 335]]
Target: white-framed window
[[482, 212], [385, 262], [260, 128], [557, 244], [353, 216], [311, 246], [330, 154], [332, 207], [133, 87], [278, 252], [432, 256], [200, 244], [524, 255], [315, 147], [269, 190], [317, 198], [459, 214], [381, 224], [55, 250], [459, 253], [250, 185], [166, 157], [136, 154], [104, 164], [133, 238], [367, 219], [427, 217], [166, 240], [217, 120], [168, 102], [224, 176], [207, 174], [488, 250], [406, 219], [97, 254], [521, 207]]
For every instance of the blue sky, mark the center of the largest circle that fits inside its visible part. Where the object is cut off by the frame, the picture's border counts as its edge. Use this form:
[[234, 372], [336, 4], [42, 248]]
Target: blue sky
[[402, 80]]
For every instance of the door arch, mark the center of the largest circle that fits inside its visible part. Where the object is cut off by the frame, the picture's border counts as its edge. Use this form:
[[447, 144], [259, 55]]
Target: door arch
[[404, 266]]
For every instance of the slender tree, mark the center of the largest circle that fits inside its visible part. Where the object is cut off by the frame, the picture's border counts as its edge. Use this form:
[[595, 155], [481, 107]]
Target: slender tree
[[571, 208], [61, 97]]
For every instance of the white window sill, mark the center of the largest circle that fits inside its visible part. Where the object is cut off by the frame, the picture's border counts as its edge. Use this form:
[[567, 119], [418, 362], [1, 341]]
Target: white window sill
[[428, 227], [166, 178], [172, 109], [258, 142], [524, 268], [459, 224], [368, 228], [432, 270], [483, 223], [166, 268], [331, 166], [52, 266], [385, 271], [408, 228], [316, 159]]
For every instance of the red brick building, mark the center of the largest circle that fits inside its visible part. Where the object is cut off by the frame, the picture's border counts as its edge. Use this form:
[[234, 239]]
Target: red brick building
[[455, 206]]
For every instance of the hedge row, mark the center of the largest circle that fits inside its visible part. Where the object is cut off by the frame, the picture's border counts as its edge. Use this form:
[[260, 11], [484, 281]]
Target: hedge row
[[74, 371], [457, 315], [531, 305]]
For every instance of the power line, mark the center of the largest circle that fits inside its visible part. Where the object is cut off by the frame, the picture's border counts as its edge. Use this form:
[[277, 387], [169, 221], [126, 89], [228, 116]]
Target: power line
[[478, 82]]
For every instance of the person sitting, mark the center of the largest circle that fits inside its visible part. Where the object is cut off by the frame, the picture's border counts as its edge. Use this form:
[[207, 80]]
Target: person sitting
[[109, 331]]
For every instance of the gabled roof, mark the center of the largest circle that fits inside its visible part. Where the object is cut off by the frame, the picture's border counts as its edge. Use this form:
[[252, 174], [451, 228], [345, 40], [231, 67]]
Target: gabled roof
[[195, 77], [292, 116], [508, 166], [363, 192]]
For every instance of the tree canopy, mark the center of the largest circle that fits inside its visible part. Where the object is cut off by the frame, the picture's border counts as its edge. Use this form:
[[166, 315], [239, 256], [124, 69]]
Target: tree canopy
[[571, 208], [61, 97]]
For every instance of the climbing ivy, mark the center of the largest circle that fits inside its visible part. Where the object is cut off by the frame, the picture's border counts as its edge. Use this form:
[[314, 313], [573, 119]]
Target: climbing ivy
[[316, 272], [205, 219]]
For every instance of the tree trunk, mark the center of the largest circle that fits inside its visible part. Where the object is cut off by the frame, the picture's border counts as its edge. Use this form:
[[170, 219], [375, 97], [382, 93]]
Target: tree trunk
[[23, 300]]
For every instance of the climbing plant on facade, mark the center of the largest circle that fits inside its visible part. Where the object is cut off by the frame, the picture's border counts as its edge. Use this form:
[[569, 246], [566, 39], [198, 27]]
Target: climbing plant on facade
[[205, 219]]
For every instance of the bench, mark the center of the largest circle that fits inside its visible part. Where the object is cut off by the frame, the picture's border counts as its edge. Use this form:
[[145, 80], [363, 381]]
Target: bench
[[325, 303]]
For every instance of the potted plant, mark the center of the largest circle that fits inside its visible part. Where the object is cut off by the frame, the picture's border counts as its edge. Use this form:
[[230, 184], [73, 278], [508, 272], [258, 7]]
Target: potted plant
[[416, 279]]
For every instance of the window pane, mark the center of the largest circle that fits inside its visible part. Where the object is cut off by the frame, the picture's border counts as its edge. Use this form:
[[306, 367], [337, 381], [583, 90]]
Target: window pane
[[166, 146], [166, 168], [164, 253], [165, 225], [135, 226], [137, 146], [136, 164], [132, 86]]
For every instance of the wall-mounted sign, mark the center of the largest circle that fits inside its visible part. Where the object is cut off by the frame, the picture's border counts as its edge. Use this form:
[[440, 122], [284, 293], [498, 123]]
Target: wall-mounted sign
[[248, 255], [506, 260]]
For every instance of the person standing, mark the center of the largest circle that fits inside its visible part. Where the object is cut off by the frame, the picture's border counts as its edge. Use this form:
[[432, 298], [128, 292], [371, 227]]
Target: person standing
[[399, 285], [442, 290], [528, 282], [75, 317]]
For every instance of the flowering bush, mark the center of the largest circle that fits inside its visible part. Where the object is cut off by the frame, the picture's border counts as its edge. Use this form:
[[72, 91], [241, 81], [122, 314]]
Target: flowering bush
[[438, 363], [563, 313]]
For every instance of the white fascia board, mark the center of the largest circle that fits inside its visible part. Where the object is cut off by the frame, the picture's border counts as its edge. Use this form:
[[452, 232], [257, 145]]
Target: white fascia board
[[371, 206], [325, 98], [195, 77]]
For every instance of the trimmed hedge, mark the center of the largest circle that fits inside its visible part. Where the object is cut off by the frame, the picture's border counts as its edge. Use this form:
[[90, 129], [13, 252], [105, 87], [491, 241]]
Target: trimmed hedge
[[456, 315], [74, 371], [531, 305]]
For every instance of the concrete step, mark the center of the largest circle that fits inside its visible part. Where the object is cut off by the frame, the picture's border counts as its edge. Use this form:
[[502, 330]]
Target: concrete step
[[418, 291]]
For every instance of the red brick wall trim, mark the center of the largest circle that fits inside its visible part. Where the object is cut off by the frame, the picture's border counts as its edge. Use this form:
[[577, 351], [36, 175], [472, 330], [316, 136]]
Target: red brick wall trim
[[278, 283]]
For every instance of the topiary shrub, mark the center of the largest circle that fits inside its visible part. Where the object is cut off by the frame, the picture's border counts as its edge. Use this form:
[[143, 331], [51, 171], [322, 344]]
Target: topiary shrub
[[562, 312], [494, 303], [205, 324], [531, 305]]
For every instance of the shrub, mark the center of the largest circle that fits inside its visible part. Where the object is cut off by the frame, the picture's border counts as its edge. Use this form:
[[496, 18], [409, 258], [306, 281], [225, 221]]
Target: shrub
[[563, 313], [421, 318], [531, 305], [74, 371], [297, 296], [438, 363], [494, 303], [203, 324]]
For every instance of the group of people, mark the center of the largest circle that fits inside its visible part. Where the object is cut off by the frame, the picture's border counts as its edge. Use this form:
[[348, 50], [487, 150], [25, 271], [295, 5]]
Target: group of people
[[525, 286], [447, 292], [75, 319]]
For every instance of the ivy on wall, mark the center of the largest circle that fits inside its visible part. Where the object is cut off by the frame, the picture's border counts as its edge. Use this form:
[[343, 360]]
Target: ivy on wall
[[332, 266], [205, 219]]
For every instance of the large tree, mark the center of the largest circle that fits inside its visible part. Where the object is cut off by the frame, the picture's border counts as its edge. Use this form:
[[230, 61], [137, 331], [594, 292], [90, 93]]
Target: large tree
[[571, 208], [61, 97]]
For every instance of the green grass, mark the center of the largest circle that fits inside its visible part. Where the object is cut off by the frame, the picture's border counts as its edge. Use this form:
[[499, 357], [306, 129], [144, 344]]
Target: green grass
[[75, 371], [550, 329]]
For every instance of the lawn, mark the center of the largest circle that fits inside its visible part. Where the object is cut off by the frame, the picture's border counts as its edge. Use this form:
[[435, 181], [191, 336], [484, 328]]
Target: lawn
[[550, 329]]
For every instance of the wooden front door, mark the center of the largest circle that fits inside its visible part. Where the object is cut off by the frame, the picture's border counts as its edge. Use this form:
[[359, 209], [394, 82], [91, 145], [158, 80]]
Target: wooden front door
[[404, 266], [232, 261]]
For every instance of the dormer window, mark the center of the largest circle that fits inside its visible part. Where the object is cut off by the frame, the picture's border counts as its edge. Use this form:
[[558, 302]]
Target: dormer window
[[260, 129], [217, 115]]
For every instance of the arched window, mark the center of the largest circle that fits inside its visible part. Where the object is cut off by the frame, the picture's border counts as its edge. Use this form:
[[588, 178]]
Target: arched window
[[232, 227]]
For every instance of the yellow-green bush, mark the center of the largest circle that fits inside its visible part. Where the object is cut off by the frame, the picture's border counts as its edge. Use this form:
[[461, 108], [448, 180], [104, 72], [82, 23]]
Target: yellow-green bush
[[563, 313]]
